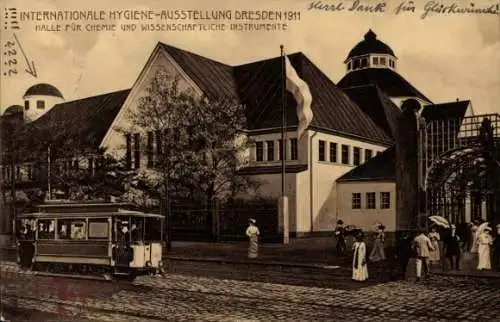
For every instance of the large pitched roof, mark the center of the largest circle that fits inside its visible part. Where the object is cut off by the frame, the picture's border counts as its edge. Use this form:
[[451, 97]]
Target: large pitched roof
[[390, 82], [259, 88], [451, 110], [86, 119], [377, 106], [213, 78], [381, 167]]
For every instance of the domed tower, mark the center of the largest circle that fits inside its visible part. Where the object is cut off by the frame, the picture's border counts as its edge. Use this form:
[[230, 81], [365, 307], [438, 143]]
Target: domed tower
[[372, 63], [371, 53], [39, 99]]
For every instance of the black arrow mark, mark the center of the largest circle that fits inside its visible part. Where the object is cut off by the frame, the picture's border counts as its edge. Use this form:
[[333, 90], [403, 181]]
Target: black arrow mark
[[31, 66]]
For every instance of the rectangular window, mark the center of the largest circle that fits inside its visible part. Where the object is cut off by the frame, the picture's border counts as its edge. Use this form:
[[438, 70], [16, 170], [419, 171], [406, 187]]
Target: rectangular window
[[368, 154], [370, 200], [385, 200], [98, 228], [382, 61], [46, 229], [356, 200], [26, 105], [375, 60], [364, 62], [321, 150], [280, 150], [294, 149], [345, 154], [128, 139], [333, 152], [270, 150], [137, 150], [259, 151], [150, 151], [40, 105], [356, 156]]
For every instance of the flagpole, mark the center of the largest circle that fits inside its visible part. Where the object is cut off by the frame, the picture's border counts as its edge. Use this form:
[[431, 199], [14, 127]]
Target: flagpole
[[283, 119], [284, 200], [48, 173]]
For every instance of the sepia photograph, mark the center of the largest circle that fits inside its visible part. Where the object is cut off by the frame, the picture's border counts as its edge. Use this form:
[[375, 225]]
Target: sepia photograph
[[279, 160]]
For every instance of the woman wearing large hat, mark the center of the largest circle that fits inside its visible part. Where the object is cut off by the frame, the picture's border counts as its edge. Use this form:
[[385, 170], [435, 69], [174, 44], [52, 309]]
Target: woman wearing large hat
[[253, 234]]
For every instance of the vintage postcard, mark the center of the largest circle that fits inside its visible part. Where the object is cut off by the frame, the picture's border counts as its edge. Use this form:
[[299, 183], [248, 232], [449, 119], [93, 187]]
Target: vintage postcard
[[271, 160]]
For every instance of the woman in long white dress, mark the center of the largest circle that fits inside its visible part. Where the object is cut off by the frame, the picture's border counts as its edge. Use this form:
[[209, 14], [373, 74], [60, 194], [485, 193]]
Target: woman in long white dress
[[434, 255], [253, 234], [359, 267], [484, 241]]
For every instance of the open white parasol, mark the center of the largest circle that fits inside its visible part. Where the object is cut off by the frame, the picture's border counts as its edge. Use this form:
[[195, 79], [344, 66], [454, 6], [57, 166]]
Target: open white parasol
[[440, 221], [481, 228]]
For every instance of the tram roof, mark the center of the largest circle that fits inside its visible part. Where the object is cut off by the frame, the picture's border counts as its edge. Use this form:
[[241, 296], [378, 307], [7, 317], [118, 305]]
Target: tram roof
[[52, 215]]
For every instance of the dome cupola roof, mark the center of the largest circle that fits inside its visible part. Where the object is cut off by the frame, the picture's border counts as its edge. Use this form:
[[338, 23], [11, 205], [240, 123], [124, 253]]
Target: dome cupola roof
[[13, 109], [43, 89], [370, 45]]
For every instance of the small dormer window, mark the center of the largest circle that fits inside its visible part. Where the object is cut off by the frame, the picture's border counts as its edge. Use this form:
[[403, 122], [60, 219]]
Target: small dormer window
[[382, 61], [26, 105], [40, 104], [375, 60]]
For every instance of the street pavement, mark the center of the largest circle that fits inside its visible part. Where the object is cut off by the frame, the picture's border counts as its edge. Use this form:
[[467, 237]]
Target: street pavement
[[191, 291]]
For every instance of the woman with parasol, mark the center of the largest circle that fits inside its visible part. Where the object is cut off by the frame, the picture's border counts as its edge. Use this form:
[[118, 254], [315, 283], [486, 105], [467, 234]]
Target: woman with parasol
[[435, 254]]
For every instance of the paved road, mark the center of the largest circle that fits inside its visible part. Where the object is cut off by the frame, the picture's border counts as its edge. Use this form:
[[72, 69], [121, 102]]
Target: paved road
[[188, 297]]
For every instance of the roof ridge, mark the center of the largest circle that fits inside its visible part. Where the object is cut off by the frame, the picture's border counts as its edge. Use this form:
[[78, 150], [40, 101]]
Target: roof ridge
[[269, 59], [95, 96], [192, 53]]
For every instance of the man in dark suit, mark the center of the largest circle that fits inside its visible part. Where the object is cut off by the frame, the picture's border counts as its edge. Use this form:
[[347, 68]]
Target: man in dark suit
[[452, 245], [404, 251], [496, 250], [340, 236]]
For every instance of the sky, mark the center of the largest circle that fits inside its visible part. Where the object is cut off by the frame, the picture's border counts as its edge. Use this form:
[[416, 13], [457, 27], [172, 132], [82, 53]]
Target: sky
[[445, 56]]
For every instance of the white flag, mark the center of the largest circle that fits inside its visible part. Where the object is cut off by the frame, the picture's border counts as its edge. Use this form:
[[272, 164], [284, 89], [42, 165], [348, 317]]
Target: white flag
[[302, 94]]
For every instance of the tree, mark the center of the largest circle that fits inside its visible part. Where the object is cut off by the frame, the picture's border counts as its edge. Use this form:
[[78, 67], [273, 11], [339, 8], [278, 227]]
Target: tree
[[200, 142], [67, 162]]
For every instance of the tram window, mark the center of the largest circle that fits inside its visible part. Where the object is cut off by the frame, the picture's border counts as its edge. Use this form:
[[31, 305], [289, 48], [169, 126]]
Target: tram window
[[98, 228], [78, 230], [63, 228], [136, 229], [46, 229], [153, 229]]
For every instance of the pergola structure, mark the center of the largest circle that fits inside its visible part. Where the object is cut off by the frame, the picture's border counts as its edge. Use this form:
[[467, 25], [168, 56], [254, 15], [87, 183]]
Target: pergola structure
[[459, 168]]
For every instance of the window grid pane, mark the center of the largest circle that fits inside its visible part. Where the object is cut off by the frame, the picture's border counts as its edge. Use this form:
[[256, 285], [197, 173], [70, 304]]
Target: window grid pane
[[333, 152], [370, 200], [356, 200], [321, 150]]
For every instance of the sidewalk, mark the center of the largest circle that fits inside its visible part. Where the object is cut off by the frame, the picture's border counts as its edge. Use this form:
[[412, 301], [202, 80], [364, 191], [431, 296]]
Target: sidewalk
[[305, 252]]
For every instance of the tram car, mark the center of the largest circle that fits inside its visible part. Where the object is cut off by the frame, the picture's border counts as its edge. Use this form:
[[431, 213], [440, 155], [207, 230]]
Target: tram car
[[107, 239]]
